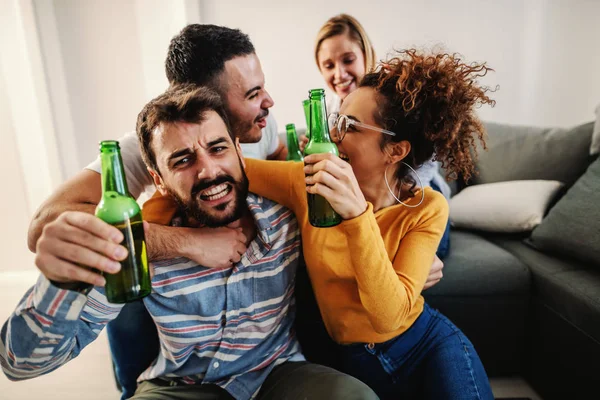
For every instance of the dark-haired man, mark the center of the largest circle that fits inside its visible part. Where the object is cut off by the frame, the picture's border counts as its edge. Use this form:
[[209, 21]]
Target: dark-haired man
[[224, 332]]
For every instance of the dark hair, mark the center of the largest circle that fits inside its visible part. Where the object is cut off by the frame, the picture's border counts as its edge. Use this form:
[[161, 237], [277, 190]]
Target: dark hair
[[198, 53], [430, 101], [184, 103]]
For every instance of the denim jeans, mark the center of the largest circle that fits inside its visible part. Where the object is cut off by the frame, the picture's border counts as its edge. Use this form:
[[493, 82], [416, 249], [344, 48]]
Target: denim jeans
[[433, 359], [444, 246], [134, 344]]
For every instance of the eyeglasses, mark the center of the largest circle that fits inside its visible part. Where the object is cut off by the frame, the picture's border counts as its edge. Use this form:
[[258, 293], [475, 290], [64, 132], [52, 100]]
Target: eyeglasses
[[340, 123]]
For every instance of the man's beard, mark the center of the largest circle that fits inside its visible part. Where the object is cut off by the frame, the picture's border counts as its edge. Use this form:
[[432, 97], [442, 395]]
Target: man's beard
[[243, 129], [193, 209]]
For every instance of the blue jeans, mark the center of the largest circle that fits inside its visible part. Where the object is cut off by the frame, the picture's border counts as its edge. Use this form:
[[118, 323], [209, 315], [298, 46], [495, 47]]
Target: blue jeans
[[134, 344], [444, 246], [433, 360]]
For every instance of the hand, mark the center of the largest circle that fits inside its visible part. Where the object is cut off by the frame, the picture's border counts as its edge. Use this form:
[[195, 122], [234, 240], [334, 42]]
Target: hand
[[435, 273], [302, 142], [75, 242], [215, 247], [333, 178]]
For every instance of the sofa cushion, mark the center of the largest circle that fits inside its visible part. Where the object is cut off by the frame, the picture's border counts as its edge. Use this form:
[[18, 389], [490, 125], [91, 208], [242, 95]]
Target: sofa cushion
[[477, 267], [568, 287], [522, 153], [514, 206], [572, 227]]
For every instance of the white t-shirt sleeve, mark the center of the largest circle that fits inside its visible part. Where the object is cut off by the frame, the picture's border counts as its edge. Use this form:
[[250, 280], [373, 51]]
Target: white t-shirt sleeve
[[138, 178], [270, 132]]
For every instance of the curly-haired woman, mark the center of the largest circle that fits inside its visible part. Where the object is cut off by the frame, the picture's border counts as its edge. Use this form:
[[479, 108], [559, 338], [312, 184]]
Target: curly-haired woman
[[344, 54], [368, 272]]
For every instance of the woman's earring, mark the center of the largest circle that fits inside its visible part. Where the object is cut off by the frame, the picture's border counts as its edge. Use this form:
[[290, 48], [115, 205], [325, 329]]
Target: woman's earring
[[392, 193]]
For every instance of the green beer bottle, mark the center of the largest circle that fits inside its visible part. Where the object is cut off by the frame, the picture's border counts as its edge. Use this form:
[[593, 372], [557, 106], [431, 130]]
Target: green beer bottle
[[320, 212], [118, 208], [294, 153], [306, 106]]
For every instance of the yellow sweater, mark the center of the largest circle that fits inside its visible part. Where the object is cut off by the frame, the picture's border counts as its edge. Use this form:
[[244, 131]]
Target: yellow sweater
[[368, 272]]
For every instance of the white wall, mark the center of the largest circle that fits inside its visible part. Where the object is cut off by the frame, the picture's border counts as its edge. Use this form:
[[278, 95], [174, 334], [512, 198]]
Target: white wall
[[102, 61], [14, 209], [112, 54], [545, 53], [71, 74]]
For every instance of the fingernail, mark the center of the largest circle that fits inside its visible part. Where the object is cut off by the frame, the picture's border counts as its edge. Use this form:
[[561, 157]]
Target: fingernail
[[114, 267], [100, 281], [117, 237], [120, 252]]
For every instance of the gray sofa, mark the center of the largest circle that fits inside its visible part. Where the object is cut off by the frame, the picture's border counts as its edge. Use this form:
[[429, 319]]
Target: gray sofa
[[530, 302]]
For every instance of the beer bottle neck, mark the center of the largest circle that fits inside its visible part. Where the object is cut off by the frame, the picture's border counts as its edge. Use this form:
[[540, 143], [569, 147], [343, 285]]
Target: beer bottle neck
[[306, 107], [319, 129], [292, 139], [113, 175]]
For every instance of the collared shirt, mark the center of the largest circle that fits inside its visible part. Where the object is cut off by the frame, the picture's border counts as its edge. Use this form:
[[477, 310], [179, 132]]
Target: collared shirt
[[224, 326]]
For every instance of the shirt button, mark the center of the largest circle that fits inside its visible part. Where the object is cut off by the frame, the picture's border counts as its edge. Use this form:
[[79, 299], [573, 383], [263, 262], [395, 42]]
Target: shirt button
[[215, 365], [371, 346]]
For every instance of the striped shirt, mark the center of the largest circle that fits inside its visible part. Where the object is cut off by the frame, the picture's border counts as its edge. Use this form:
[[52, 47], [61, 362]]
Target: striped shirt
[[224, 326]]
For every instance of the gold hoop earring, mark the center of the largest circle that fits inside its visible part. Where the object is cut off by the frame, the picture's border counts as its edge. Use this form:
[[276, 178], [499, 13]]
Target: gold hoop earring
[[392, 193]]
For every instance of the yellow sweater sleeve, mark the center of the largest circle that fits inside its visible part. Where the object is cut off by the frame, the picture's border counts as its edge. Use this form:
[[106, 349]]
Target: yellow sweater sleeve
[[159, 209], [280, 181], [389, 289]]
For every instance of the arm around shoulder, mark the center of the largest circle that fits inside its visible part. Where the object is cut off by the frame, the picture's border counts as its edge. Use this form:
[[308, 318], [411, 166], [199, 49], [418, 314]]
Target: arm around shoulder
[[280, 181]]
